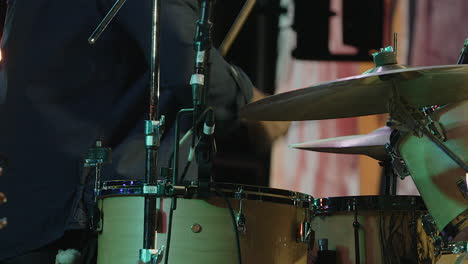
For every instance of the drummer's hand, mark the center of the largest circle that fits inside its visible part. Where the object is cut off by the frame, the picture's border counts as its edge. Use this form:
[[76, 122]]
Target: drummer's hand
[[264, 133]]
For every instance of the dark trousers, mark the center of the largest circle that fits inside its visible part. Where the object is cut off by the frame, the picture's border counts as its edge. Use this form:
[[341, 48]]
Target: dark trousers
[[82, 240]]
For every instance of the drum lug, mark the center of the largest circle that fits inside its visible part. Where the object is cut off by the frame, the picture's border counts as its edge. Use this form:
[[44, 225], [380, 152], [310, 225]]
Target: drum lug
[[429, 225], [240, 220], [159, 254], [305, 234], [151, 256], [430, 228], [240, 217], [239, 194]]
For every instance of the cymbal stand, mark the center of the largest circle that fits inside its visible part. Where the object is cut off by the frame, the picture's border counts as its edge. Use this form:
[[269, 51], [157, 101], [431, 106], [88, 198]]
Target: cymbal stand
[[356, 227], [153, 128], [390, 178]]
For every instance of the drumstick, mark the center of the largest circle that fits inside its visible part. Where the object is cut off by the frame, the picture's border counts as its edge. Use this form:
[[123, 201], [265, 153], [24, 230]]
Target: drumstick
[[236, 27]]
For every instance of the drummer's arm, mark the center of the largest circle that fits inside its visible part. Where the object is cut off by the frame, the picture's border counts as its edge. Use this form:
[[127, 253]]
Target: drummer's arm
[[264, 133]]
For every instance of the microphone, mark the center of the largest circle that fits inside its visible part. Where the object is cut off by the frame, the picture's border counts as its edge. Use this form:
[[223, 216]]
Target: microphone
[[209, 125], [205, 152], [205, 145]]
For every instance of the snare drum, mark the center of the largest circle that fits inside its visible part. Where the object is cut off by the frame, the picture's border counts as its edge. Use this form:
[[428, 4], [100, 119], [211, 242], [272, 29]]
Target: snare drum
[[203, 230], [440, 181], [389, 229]]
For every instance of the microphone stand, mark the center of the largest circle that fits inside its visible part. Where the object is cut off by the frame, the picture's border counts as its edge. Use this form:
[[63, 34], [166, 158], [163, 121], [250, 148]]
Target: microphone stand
[[199, 82], [153, 129], [200, 87]]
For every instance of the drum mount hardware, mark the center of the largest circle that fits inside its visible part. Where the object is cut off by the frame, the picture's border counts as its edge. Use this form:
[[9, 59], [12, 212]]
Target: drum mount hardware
[[455, 248], [430, 228], [441, 245], [407, 118], [397, 162], [96, 157]]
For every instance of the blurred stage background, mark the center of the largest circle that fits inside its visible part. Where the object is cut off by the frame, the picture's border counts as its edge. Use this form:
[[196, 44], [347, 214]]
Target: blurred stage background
[[430, 32]]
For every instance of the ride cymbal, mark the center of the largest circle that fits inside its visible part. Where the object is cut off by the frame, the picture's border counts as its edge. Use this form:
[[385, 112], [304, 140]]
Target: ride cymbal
[[365, 94]]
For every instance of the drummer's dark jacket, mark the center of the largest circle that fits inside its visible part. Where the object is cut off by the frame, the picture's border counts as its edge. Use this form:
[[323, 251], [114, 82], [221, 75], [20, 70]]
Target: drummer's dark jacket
[[59, 94]]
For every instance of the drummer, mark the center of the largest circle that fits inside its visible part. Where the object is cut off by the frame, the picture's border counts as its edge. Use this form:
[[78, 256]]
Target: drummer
[[62, 94]]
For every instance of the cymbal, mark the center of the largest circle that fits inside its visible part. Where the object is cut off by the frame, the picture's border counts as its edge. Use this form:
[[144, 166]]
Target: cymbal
[[372, 144], [365, 94]]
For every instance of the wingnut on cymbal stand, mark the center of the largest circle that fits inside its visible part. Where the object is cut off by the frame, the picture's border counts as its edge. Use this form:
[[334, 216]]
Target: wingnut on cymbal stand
[[153, 129]]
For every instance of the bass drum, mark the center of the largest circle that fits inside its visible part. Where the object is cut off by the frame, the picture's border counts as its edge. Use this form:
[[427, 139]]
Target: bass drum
[[440, 181], [389, 229], [203, 229]]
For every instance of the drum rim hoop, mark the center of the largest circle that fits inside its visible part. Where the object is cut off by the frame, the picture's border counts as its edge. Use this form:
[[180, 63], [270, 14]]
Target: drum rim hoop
[[329, 205], [231, 190]]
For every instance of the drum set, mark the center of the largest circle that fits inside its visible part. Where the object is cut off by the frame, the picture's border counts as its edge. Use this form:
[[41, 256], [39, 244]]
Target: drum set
[[426, 138]]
